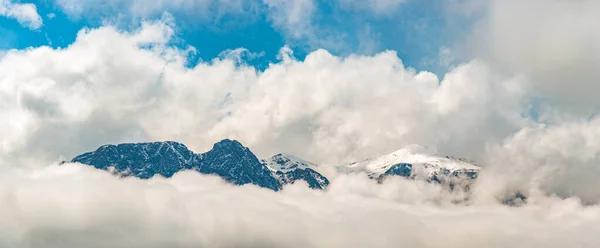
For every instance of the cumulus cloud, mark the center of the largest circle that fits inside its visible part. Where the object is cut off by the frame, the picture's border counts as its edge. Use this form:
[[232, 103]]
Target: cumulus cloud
[[25, 13], [551, 47], [78, 206], [561, 160], [110, 87]]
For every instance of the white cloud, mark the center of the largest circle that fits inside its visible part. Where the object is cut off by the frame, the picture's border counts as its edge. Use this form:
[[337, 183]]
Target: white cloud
[[294, 16], [294, 19], [146, 9], [555, 43], [111, 87], [25, 13], [377, 6], [561, 159], [42, 207]]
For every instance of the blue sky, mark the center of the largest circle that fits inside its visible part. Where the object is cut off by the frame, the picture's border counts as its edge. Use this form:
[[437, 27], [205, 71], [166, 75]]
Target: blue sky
[[416, 30]]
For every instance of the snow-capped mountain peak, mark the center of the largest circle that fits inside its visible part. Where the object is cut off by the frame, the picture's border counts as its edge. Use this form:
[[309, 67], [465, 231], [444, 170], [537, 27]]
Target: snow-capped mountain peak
[[286, 162], [425, 161], [289, 169]]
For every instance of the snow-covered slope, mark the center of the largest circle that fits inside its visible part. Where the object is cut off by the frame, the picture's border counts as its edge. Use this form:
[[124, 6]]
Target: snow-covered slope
[[288, 169], [286, 162], [424, 163]]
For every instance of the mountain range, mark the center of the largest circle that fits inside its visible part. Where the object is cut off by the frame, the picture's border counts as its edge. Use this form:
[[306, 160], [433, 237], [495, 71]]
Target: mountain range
[[236, 164]]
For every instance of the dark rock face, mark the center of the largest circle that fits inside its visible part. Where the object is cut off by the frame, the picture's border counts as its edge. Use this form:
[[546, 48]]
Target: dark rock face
[[401, 169], [313, 178], [237, 164], [228, 159], [142, 160]]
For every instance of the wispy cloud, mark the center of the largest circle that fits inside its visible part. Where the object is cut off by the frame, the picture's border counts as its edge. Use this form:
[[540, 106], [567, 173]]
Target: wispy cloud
[[25, 13], [379, 7]]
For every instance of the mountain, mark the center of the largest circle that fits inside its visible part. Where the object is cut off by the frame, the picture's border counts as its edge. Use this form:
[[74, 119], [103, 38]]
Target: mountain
[[228, 159], [142, 160], [236, 164], [289, 168], [417, 162]]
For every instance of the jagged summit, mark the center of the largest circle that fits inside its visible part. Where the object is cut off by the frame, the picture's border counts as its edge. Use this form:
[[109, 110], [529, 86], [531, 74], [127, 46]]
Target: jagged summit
[[236, 163], [142, 160], [228, 159], [230, 145]]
